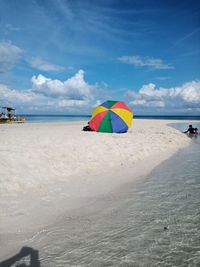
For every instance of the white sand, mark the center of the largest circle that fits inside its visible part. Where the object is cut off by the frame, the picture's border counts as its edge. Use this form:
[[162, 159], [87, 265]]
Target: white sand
[[49, 168]]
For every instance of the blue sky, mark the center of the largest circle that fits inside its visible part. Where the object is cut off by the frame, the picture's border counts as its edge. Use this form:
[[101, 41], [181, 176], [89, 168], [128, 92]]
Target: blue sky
[[66, 56]]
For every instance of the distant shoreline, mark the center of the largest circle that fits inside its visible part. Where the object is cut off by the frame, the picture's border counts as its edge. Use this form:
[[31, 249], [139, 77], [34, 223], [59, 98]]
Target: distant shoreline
[[54, 117]]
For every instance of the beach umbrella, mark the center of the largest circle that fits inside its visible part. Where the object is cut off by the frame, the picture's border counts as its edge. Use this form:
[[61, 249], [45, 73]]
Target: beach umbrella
[[111, 117]]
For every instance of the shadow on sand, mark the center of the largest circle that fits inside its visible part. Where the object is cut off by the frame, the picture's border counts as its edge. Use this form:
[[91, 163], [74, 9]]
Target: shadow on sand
[[27, 257]]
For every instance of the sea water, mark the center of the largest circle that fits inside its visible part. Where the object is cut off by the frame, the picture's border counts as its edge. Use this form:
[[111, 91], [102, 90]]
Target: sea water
[[66, 118], [55, 118], [152, 222]]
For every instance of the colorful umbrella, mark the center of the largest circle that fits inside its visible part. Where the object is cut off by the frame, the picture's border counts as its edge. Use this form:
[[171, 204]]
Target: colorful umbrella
[[111, 117]]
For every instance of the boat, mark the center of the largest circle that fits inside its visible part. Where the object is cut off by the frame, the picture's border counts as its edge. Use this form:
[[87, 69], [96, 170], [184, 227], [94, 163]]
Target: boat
[[8, 116]]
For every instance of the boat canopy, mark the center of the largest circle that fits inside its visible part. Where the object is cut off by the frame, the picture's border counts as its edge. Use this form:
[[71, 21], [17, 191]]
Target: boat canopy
[[8, 108]]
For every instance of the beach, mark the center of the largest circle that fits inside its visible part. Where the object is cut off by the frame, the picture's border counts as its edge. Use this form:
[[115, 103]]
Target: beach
[[50, 170]]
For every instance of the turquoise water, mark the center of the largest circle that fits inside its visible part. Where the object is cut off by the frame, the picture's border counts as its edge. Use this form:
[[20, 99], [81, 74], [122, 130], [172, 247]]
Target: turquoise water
[[63, 118], [154, 222], [54, 118]]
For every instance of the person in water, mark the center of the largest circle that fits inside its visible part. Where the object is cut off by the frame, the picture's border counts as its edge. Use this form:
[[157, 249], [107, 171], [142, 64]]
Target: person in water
[[191, 130]]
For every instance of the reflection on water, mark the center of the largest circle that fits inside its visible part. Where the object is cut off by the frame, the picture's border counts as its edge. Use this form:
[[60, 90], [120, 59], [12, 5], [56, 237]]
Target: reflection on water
[[152, 223]]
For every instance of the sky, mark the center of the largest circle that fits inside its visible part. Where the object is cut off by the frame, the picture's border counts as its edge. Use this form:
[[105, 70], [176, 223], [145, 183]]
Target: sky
[[67, 56]]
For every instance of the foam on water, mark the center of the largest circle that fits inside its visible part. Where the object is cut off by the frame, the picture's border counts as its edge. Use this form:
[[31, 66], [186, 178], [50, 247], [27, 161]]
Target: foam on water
[[155, 222]]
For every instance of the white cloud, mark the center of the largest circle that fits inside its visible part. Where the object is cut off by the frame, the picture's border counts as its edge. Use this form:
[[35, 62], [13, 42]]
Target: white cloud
[[150, 90], [75, 88], [186, 96], [189, 92], [8, 95], [9, 55], [72, 103], [154, 63], [148, 103], [73, 95], [43, 65], [27, 100]]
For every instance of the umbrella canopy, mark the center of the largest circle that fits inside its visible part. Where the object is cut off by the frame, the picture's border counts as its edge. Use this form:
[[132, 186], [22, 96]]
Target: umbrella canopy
[[111, 117]]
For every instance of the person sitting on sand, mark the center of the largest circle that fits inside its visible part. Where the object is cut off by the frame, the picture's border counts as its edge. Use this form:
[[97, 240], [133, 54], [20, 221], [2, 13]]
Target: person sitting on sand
[[190, 130], [87, 128]]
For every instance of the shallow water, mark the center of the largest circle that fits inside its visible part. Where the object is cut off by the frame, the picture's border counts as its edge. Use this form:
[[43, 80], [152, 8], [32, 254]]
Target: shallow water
[[154, 222]]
